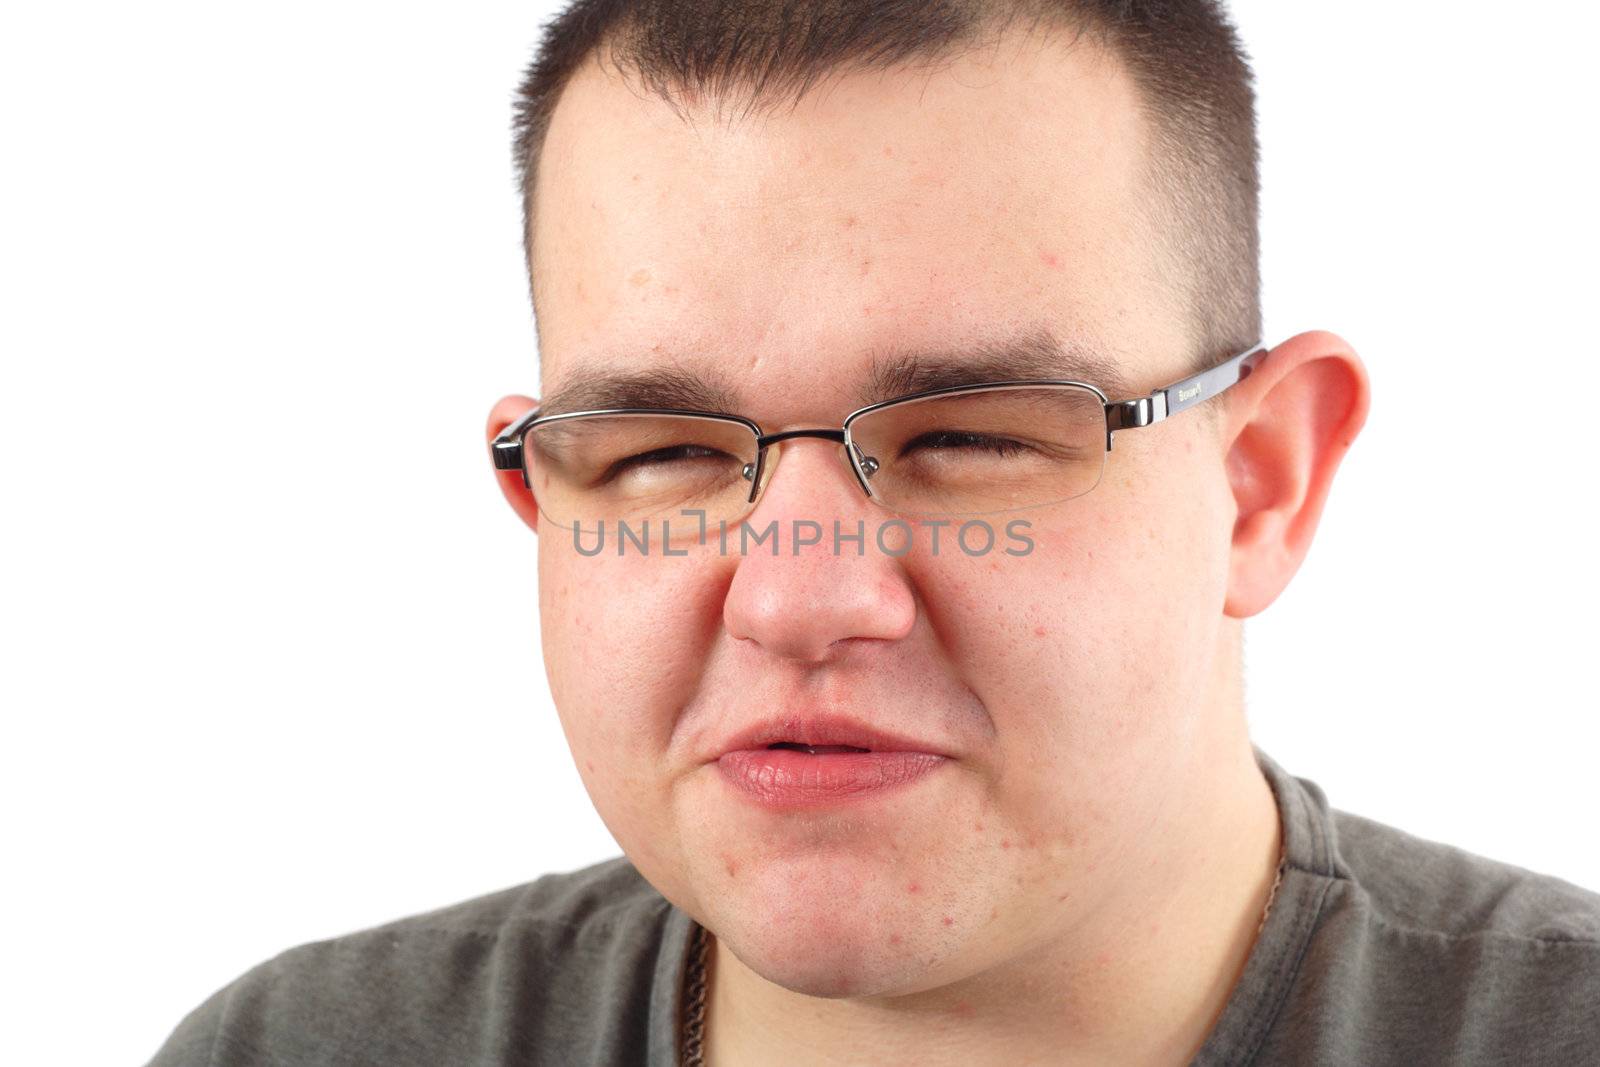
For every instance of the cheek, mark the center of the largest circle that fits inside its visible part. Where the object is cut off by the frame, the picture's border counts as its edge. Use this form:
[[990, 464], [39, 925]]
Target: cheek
[[1088, 652], [626, 642], [622, 640], [616, 635], [1048, 635]]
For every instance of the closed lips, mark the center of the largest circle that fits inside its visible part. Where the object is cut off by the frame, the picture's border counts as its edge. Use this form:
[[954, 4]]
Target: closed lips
[[821, 735]]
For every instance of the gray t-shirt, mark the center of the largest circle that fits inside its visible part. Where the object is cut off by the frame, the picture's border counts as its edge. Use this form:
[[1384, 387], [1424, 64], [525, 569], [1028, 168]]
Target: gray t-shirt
[[1381, 948]]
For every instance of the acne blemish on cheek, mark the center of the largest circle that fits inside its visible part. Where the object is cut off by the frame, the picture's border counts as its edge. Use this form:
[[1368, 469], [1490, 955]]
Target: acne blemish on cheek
[[1040, 631], [976, 826], [730, 866], [948, 921], [894, 939], [1005, 842], [1050, 259], [913, 888]]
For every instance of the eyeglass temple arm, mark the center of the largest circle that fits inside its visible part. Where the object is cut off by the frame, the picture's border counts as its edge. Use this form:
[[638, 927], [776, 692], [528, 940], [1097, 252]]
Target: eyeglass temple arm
[[1163, 403], [507, 446]]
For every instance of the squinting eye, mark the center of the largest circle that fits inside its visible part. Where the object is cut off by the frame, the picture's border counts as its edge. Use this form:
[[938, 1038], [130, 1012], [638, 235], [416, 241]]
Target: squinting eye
[[963, 441], [660, 457]]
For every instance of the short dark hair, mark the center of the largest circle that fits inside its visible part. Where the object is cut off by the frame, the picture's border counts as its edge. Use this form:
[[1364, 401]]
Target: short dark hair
[[1184, 56]]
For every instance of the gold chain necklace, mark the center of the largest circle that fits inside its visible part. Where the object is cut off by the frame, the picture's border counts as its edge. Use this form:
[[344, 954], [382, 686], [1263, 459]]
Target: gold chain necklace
[[694, 1026]]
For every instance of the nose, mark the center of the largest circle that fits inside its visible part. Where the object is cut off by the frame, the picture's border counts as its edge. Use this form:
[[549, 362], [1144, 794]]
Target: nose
[[808, 602]]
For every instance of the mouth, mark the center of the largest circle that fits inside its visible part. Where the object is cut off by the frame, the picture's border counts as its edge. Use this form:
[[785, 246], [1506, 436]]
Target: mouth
[[793, 763], [820, 736], [785, 777]]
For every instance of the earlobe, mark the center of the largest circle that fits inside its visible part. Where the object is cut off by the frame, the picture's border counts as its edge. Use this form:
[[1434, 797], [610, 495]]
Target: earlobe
[[506, 411], [1292, 422]]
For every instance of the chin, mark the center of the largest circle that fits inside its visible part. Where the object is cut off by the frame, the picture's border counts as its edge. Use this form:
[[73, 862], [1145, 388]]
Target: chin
[[831, 969], [825, 943]]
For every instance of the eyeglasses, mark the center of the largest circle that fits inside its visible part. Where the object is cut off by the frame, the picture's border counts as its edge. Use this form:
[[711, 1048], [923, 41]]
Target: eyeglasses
[[965, 450]]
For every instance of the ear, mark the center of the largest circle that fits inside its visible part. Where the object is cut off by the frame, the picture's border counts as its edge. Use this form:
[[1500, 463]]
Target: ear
[[1288, 425], [506, 411]]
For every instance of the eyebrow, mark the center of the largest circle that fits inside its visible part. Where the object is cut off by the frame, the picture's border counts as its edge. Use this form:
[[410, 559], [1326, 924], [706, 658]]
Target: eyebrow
[[658, 387], [1036, 354], [892, 372]]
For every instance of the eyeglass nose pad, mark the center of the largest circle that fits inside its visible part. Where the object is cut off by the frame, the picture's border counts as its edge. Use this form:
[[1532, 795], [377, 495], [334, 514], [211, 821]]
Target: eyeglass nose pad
[[868, 464], [749, 473], [758, 472]]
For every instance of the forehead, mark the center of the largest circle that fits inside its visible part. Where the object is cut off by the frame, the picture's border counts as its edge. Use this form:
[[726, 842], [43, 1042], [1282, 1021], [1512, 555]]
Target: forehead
[[786, 254]]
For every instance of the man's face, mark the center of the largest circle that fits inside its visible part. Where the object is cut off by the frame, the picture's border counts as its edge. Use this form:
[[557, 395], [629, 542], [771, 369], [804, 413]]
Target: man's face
[[995, 195]]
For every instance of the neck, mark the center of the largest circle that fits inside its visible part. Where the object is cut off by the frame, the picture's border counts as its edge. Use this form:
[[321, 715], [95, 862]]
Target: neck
[[1172, 940]]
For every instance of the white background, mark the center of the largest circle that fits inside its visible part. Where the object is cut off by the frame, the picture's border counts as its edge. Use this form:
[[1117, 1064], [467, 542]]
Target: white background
[[271, 668]]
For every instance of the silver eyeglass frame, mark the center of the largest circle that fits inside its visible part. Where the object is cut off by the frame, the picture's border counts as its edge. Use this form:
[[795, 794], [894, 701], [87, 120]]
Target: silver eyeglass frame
[[509, 453]]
